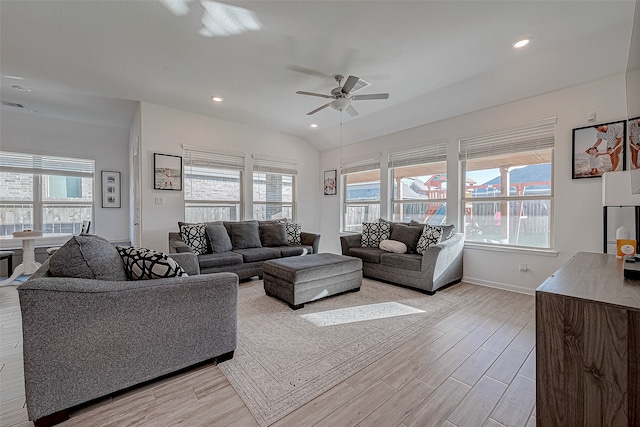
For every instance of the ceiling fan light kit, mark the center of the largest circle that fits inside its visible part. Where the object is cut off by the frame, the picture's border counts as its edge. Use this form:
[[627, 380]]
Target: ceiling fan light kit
[[342, 97]]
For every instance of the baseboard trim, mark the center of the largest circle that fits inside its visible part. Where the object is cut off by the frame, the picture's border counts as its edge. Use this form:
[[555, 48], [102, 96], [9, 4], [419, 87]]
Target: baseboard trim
[[498, 285]]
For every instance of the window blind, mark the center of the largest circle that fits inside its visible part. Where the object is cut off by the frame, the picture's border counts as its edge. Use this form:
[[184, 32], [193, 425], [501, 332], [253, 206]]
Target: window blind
[[535, 136], [274, 165], [197, 157], [46, 165], [360, 165], [427, 153]]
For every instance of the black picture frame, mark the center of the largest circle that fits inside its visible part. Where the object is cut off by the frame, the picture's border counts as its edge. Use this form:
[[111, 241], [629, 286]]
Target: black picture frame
[[167, 172], [330, 182], [111, 189], [595, 163], [633, 134]]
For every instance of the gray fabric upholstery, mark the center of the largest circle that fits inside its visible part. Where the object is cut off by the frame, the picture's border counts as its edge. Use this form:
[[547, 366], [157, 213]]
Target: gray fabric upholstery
[[448, 230], [88, 257], [440, 265], [366, 254], [258, 254], [273, 234], [286, 251], [406, 234], [217, 260], [245, 235], [188, 261], [177, 245], [218, 237], [84, 339]]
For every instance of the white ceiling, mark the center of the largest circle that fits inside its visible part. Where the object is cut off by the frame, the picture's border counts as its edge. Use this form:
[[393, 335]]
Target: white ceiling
[[92, 61]]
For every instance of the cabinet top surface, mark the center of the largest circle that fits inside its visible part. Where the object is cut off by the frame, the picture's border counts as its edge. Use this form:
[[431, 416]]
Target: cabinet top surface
[[594, 277]]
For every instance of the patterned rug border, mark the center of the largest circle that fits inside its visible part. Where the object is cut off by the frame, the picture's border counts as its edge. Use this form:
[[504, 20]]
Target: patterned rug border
[[268, 410]]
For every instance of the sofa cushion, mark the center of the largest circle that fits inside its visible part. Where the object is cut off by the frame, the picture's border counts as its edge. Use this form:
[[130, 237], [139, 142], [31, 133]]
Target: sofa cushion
[[367, 254], [219, 259], [219, 239], [194, 236], [145, 264], [87, 257], [293, 233], [404, 261], [393, 246], [407, 234], [374, 232], [431, 236], [273, 234], [258, 254], [245, 235], [297, 250], [448, 230]]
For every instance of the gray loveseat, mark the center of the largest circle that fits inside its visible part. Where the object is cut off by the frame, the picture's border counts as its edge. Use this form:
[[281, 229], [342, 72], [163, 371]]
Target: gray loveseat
[[84, 339], [241, 247], [437, 266]]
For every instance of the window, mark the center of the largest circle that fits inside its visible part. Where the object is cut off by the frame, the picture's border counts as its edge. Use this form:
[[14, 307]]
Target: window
[[53, 194], [212, 185], [508, 187], [419, 178], [273, 188], [361, 180]]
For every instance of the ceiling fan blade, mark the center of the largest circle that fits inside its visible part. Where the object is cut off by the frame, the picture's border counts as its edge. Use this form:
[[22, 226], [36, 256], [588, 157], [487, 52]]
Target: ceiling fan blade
[[318, 109], [321, 95], [308, 71], [352, 111], [349, 84], [370, 96]]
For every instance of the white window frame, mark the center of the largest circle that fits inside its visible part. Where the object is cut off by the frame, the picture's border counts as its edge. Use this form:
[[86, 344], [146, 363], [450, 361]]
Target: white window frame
[[351, 166], [39, 165], [194, 156], [424, 154], [283, 167], [534, 136]]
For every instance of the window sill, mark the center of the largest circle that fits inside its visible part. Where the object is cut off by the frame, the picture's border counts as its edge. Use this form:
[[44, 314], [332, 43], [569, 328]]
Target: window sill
[[511, 249]]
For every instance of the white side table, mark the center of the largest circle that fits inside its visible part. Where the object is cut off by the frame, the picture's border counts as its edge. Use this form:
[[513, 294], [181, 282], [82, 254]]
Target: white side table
[[29, 264]]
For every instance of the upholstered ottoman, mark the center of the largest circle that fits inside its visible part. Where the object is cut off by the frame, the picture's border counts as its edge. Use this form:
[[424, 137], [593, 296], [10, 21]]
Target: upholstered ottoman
[[301, 279]]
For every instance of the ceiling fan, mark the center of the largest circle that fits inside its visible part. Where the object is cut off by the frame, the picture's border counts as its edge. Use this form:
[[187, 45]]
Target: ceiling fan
[[342, 95]]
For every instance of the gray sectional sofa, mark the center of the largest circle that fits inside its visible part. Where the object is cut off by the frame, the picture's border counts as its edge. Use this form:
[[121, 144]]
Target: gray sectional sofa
[[87, 338], [437, 266], [241, 247]]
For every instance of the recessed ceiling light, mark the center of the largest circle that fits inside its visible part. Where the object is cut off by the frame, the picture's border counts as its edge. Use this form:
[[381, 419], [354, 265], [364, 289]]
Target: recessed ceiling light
[[217, 98], [520, 43], [313, 125], [21, 89], [14, 77]]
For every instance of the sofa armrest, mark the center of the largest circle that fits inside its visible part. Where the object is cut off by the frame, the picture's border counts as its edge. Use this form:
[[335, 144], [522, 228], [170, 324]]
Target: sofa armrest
[[84, 339], [310, 239], [350, 241], [436, 259], [176, 244], [188, 261]]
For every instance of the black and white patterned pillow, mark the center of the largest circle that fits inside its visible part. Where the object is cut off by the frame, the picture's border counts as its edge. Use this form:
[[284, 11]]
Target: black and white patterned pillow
[[374, 232], [293, 233], [195, 236], [144, 264], [430, 236]]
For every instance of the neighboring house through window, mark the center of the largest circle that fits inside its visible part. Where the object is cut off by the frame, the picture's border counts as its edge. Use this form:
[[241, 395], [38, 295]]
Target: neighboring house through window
[[507, 193], [49, 193], [273, 188], [361, 203]]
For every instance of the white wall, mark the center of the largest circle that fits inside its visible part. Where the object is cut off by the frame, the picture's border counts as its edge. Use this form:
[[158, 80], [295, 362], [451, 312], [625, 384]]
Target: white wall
[[577, 203], [108, 146], [164, 130]]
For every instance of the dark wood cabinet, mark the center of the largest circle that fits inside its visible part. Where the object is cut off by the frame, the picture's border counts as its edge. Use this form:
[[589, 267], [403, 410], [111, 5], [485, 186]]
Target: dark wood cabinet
[[588, 345]]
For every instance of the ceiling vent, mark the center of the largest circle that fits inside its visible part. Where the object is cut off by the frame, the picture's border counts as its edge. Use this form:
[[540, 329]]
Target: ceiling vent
[[12, 104]]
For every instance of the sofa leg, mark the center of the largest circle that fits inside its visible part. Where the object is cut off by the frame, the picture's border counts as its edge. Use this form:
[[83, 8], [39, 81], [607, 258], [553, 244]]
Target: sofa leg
[[224, 357], [355, 290], [424, 291], [55, 418], [269, 294], [296, 307]]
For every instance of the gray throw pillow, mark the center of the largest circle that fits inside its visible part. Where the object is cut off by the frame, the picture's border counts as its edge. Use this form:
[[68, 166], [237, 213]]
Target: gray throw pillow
[[273, 234], [245, 235], [406, 234], [87, 257], [218, 238]]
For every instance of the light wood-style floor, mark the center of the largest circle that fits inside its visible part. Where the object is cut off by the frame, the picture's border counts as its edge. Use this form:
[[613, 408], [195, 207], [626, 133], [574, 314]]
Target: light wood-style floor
[[474, 368]]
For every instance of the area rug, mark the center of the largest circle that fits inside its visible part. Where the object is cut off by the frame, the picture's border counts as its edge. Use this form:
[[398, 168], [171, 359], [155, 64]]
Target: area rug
[[286, 358]]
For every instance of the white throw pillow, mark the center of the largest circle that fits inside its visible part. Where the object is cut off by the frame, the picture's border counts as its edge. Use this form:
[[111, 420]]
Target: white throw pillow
[[393, 246]]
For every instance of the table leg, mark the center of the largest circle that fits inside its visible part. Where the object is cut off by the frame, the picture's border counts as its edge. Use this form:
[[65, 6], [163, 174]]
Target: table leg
[[29, 256]]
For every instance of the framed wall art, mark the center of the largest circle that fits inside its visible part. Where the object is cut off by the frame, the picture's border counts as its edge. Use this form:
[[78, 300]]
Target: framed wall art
[[633, 129], [331, 182], [167, 172], [111, 189], [598, 149]]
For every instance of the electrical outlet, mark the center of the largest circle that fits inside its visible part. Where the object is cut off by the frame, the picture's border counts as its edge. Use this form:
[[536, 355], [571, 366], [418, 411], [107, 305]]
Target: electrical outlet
[[523, 266], [159, 200]]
